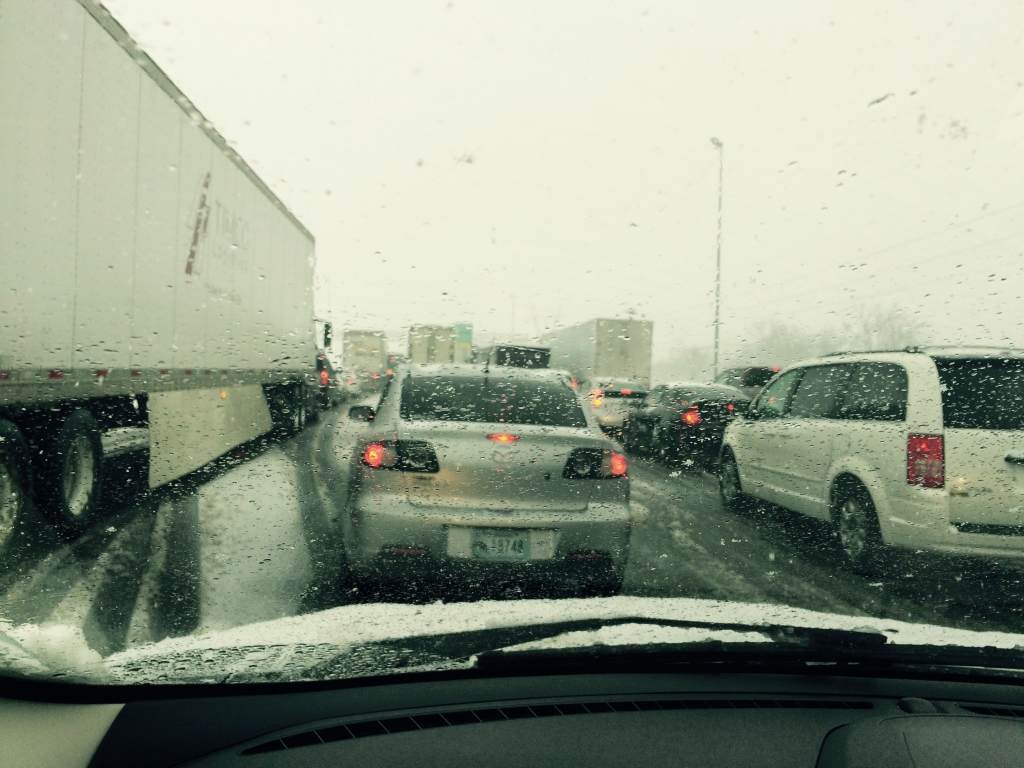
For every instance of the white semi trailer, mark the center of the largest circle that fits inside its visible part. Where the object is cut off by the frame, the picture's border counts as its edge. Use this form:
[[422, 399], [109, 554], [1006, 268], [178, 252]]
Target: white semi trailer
[[154, 293], [431, 344], [604, 350]]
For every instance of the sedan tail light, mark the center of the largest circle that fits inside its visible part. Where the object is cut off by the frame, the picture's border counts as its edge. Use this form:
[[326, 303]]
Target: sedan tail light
[[402, 455], [373, 455], [926, 461], [691, 417], [594, 464], [324, 378], [616, 464]]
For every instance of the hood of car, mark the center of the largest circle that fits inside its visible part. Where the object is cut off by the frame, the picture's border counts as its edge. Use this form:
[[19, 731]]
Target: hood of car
[[347, 637]]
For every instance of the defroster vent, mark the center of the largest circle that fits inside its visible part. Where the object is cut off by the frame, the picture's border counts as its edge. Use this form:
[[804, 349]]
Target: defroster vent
[[381, 727]]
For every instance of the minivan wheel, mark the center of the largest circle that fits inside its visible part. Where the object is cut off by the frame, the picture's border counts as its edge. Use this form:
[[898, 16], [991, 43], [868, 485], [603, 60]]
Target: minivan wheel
[[74, 477], [15, 479], [860, 538], [729, 486]]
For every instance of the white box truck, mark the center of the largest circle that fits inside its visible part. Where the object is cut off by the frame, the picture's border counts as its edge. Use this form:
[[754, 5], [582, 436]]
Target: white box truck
[[431, 344], [156, 295], [364, 358], [604, 350]]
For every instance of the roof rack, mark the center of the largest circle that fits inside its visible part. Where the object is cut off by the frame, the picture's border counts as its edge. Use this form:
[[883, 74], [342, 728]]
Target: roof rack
[[920, 350], [912, 350]]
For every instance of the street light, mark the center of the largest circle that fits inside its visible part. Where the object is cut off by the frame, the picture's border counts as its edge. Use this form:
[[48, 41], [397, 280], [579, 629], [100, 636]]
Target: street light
[[718, 258]]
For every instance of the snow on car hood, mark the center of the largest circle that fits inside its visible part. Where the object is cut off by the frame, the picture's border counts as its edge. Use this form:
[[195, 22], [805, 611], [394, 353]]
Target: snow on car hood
[[299, 643], [302, 641]]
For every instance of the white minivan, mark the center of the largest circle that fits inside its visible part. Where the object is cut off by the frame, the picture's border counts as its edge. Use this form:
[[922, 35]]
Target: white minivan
[[921, 449]]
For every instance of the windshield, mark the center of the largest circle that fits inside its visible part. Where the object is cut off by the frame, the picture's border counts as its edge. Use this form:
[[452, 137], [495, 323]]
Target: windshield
[[328, 325]]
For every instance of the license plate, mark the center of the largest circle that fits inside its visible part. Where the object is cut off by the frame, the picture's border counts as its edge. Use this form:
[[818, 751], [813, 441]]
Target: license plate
[[501, 544]]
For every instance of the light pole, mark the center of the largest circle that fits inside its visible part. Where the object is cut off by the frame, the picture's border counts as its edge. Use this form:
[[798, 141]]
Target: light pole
[[718, 257]]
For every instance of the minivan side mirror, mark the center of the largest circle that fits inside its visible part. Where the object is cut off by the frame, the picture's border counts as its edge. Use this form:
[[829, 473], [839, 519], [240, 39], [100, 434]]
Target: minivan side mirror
[[361, 413]]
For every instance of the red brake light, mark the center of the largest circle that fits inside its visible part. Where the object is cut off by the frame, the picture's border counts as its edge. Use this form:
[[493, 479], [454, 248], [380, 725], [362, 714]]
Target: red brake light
[[503, 438], [618, 464], [324, 377], [926, 461], [776, 369], [574, 383], [730, 407], [373, 455], [625, 392], [691, 417], [351, 381]]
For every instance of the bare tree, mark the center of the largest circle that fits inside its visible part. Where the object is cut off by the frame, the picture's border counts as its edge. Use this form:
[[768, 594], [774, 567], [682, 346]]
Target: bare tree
[[779, 342]]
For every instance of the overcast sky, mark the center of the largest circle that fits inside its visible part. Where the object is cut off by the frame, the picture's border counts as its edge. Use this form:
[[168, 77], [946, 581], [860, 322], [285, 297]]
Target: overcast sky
[[527, 165]]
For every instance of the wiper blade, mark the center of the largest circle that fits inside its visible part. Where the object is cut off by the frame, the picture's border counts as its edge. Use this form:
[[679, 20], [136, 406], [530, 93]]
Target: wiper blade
[[849, 655], [426, 650]]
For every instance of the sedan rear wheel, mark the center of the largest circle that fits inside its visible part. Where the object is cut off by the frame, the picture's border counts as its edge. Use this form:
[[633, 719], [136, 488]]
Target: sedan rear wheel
[[729, 486], [659, 444]]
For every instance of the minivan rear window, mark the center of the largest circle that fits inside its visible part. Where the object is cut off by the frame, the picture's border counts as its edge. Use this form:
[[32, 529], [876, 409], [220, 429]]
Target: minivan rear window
[[491, 399], [981, 393]]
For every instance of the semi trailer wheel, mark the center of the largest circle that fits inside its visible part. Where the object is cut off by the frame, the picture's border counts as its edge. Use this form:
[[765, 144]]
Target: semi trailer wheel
[[15, 479], [73, 477]]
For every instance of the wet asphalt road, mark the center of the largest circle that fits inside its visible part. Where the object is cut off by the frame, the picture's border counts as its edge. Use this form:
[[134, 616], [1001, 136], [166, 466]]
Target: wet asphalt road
[[247, 539]]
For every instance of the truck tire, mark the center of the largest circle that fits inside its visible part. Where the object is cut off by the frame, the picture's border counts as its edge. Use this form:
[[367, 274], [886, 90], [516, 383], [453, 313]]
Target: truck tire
[[73, 478], [299, 409], [15, 479]]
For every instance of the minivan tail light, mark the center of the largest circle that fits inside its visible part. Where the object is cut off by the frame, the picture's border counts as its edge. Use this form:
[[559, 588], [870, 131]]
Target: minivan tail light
[[691, 416], [926, 461]]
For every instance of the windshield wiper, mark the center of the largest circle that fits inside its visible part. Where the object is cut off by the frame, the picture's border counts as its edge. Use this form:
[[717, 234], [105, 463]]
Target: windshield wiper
[[717, 652], [486, 644]]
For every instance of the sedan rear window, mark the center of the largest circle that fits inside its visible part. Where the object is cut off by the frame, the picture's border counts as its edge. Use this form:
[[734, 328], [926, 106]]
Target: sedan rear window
[[982, 393], [685, 395], [461, 398]]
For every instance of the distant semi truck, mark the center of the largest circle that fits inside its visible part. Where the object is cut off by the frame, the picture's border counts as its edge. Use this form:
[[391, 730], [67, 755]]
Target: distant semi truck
[[604, 350], [364, 354], [157, 296], [517, 356], [431, 344]]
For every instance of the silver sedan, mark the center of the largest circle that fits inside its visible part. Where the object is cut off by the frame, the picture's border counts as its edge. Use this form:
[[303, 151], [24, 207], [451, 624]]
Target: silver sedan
[[489, 473]]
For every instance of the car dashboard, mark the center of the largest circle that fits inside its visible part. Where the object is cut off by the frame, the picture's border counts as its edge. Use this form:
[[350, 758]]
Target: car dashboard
[[588, 719]]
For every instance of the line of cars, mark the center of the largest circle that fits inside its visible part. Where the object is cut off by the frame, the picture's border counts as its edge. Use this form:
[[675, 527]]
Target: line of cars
[[678, 423], [467, 470]]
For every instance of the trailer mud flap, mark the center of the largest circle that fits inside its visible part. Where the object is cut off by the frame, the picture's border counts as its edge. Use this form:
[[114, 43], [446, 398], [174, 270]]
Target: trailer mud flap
[[188, 428]]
